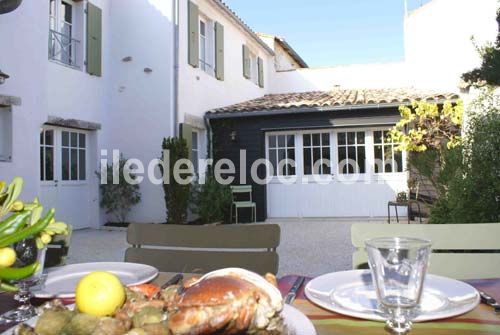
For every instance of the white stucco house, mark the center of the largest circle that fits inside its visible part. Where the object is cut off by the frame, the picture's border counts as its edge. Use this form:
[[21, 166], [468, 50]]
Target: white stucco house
[[86, 76]]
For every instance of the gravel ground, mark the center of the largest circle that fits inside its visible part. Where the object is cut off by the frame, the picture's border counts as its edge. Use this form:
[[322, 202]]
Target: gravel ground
[[308, 247]]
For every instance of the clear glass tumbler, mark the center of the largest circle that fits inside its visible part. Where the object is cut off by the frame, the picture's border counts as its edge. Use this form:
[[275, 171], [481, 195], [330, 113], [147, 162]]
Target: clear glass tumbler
[[398, 266]]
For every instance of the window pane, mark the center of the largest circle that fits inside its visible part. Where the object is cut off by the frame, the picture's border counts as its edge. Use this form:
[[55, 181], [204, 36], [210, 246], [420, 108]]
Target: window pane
[[49, 163], [388, 158], [194, 138], [281, 162], [361, 159], [202, 28], [65, 163], [272, 160], [398, 160], [291, 156], [316, 160], [290, 141], [325, 139], [307, 161], [194, 160], [74, 140], [351, 138], [377, 136], [66, 12], [74, 164], [361, 137], [379, 163], [341, 139], [351, 155], [316, 139], [65, 139], [281, 141], [272, 141], [386, 135], [82, 165], [326, 161], [82, 141], [42, 166], [49, 137], [342, 157], [307, 140], [41, 137]]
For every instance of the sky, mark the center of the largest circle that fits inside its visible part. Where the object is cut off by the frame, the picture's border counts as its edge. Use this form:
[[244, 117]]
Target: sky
[[332, 32]]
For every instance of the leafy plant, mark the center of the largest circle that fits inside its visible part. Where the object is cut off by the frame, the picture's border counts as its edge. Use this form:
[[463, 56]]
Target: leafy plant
[[118, 199], [176, 194], [211, 201], [489, 72]]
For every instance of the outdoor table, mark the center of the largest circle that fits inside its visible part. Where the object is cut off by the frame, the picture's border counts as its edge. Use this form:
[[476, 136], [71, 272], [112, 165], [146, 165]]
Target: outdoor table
[[480, 321]]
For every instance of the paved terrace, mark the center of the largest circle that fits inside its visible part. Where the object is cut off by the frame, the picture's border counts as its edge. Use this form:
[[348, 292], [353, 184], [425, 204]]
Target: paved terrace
[[308, 247]]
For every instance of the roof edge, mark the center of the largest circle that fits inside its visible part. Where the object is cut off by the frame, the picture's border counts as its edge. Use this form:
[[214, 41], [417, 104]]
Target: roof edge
[[282, 111], [225, 8], [292, 52]]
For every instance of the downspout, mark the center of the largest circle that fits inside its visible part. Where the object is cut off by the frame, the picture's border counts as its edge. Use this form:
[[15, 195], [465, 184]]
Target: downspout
[[209, 136], [175, 86]]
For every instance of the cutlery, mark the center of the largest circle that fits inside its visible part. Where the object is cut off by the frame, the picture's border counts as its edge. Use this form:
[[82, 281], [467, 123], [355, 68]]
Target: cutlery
[[293, 291], [172, 281], [490, 301]]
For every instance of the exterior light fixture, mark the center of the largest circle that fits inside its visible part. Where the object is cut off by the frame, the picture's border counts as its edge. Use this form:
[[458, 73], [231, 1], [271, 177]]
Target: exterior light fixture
[[3, 77], [233, 136]]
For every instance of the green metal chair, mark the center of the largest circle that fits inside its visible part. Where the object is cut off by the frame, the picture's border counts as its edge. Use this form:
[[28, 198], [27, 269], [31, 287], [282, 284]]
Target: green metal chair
[[461, 251], [238, 192]]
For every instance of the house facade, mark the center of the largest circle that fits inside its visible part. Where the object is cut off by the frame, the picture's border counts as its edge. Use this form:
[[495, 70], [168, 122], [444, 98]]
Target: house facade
[[91, 76]]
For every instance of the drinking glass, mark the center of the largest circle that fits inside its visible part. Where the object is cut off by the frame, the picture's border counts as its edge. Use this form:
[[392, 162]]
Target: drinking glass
[[25, 311], [398, 268]]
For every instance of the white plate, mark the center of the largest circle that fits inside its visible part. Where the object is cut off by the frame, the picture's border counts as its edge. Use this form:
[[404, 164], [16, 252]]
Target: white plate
[[352, 293], [297, 322], [61, 281]]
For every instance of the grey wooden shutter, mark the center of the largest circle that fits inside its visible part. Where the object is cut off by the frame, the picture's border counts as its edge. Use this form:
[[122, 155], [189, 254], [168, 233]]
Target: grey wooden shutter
[[246, 62], [94, 40], [260, 64], [186, 132], [219, 51], [194, 35]]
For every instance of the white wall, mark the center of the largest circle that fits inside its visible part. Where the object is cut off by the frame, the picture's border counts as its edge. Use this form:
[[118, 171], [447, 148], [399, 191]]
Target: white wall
[[438, 42], [383, 75], [24, 37], [140, 106], [199, 91]]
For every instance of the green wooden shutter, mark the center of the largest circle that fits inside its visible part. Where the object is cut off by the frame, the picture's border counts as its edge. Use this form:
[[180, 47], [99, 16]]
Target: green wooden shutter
[[194, 35], [246, 62], [94, 40], [260, 63], [219, 51], [186, 132]]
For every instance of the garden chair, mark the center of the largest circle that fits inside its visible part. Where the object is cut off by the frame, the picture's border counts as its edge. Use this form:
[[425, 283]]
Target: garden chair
[[201, 249], [238, 192], [57, 250], [461, 251]]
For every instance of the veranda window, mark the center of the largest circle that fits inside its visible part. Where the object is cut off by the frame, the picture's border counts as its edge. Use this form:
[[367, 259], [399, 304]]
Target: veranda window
[[316, 149], [387, 159], [351, 152], [282, 149], [47, 145], [73, 155]]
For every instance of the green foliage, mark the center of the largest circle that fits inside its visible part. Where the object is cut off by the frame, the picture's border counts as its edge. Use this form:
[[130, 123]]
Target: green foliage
[[211, 201], [426, 126], [472, 175], [489, 72], [118, 199], [176, 194]]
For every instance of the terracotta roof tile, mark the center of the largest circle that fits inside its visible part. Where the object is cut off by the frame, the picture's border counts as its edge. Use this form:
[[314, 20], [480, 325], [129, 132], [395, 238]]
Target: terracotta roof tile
[[335, 98]]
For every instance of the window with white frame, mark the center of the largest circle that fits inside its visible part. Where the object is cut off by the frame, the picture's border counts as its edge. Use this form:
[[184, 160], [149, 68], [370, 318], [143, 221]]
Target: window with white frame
[[254, 68], [351, 152], [316, 153], [281, 154], [73, 156], [64, 47], [387, 159], [195, 151], [47, 151], [207, 46]]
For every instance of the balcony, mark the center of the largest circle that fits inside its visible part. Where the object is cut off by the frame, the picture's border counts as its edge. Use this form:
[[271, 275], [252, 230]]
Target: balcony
[[64, 50]]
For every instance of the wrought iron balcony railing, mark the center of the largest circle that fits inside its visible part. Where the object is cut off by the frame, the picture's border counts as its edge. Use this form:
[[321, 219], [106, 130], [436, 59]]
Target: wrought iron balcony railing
[[64, 49]]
